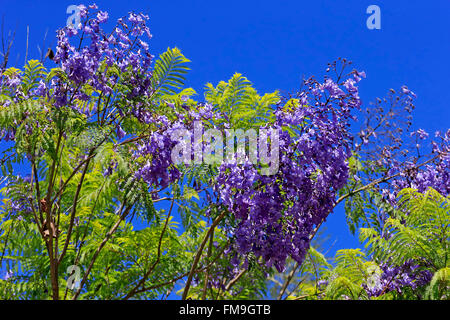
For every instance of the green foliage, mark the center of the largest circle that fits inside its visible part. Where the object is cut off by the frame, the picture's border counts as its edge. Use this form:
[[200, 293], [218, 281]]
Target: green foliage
[[363, 202], [134, 241], [342, 288], [439, 287], [169, 72], [68, 157], [33, 72], [241, 103], [419, 229]]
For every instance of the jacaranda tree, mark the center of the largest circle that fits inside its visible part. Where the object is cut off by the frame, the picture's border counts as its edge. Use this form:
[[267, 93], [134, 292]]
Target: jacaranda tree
[[125, 180]]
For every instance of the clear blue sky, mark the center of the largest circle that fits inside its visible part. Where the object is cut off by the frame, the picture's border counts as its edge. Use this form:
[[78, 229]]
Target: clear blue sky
[[275, 43]]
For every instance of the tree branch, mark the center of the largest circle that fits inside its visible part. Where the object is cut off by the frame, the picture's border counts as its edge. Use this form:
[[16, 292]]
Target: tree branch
[[147, 274], [199, 253]]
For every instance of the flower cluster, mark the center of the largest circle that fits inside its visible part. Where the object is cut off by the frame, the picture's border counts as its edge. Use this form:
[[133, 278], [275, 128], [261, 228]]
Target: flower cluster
[[400, 158], [434, 175], [276, 214], [397, 278], [403, 157], [94, 64], [158, 170]]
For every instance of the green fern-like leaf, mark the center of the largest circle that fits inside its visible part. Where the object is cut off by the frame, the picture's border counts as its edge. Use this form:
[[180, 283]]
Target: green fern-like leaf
[[33, 72], [169, 72], [342, 288], [241, 102], [439, 287], [418, 230]]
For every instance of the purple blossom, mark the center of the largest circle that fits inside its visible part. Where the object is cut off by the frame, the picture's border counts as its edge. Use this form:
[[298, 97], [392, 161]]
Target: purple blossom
[[398, 278], [277, 213], [9, 274], [422, 134], [358, 75], [120, 132], [102, 16], [82, 64]]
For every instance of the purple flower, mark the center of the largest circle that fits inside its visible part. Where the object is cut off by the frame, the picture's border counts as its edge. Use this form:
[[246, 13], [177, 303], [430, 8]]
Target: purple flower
[[120, 132], [333, 89], [397, 278], [405, 90], [41, 90], [9, 274], [102, 16], [422, 134], [359, 75]]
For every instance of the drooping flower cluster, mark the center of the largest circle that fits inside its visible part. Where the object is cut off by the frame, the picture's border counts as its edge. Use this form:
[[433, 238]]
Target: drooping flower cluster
[[158, 170], [276, 214]]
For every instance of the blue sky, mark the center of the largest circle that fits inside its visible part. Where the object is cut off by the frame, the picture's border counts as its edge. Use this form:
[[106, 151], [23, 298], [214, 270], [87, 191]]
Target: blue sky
[[276, 43]]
